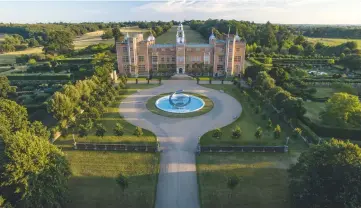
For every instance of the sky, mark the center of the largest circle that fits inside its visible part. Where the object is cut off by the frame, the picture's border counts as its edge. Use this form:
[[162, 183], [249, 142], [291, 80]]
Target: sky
[[259, 11]]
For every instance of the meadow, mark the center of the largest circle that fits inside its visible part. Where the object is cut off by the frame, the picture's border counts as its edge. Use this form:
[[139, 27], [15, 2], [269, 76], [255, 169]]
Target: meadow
[[333, 41]]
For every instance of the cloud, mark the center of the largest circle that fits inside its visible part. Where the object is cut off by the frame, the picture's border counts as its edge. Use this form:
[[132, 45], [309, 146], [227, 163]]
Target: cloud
[[280, 11]]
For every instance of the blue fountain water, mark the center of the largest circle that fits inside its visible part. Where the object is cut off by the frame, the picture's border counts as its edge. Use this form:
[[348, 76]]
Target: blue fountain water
[[180, 103]]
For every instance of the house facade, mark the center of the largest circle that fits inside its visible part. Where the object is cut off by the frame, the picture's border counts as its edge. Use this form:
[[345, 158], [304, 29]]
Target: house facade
[[137, 56]]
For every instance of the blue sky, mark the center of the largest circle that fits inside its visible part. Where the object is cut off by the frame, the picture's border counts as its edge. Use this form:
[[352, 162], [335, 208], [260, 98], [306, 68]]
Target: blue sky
[[276, 11]]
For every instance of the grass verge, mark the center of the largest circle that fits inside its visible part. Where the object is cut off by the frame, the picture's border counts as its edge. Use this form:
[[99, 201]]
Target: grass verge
[[263, 179], [208, 106], [93, 181]]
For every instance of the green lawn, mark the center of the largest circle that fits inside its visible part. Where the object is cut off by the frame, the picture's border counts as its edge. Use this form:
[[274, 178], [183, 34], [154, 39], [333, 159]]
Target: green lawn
[[93, 182], [333, 41], [313, 110], [323, 92], [109, 119], [7, 59], [208, 106], [263, 179], [169, 37], [248, 122]]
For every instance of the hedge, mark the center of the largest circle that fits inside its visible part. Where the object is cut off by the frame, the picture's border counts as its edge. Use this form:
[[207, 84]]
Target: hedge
[[39, 77], [75, 61], [330, 131]]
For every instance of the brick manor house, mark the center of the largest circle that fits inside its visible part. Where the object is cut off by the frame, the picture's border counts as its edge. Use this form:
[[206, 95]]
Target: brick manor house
[[137, 56]]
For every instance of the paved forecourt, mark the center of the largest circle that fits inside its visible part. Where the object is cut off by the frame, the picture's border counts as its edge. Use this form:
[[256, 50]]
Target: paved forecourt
[[178, 138]]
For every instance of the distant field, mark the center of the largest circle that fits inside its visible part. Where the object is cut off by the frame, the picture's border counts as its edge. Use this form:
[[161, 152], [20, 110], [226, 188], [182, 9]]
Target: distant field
[[89, 39], [133, 30], [333, 41], [192, 36]]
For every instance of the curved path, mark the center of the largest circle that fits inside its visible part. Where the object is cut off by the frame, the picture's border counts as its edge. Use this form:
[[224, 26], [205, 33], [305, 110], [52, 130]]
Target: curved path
[[178, 138]]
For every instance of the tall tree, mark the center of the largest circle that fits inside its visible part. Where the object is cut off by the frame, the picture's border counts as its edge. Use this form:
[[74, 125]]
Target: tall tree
[[5, 87], [58, 42], [340, 108], [35, 173], [327, 175]]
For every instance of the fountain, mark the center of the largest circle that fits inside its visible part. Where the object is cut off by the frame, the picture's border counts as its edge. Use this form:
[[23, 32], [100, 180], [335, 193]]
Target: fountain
[[179, 102]]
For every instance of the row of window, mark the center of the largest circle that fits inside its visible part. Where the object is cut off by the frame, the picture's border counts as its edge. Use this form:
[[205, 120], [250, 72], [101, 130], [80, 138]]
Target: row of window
[[125, 49], [181, 59]]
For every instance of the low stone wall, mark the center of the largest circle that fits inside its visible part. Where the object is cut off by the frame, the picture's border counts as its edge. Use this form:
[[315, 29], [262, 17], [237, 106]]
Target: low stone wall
[[279, 149], [116, 147]]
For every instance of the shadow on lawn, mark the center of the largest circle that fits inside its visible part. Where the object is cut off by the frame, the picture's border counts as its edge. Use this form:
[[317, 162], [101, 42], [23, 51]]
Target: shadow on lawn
[[257, 187], [104, 192]]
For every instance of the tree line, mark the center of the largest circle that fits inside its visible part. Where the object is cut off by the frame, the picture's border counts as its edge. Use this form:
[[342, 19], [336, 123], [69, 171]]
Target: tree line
[[270, 38]]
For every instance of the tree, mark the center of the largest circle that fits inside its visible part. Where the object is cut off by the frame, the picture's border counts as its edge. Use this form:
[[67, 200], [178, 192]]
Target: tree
[[277, 132], [108, 34], [16, 115], [36, 172], [309, 50], [122, 182], [118, 130], [83, 130], [217, 133], [58, 42], [331, 61], [327, 175], [5, 87], [268, 37], [269, 124], [32, 62], [38, 129], [297, 132], [268, 60], [249, 81], [340, 108], [237, 132], [296, 49], [117, 34], [279, 74], [138, 131], [100, 130], [264, 81], [61, 106], [258, 133]]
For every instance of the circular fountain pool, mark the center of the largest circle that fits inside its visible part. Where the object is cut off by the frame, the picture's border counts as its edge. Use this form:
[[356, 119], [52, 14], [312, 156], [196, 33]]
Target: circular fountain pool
[[179, 102]]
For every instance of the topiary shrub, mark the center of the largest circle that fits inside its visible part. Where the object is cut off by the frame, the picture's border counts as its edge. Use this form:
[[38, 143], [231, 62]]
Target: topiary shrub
[[118, 130], [237, 132], [138, 131], [217, 133]]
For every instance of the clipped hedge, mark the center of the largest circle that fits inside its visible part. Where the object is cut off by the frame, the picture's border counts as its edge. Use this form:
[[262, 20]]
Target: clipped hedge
[[39, 77], [331, 131], [75, 61]]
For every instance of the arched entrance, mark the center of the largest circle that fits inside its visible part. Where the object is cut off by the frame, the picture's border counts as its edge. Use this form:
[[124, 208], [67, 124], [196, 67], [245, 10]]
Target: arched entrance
[[180, 70]]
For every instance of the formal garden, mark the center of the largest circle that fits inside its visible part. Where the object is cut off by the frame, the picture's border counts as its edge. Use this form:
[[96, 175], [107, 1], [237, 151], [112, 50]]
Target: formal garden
[[56, 94]]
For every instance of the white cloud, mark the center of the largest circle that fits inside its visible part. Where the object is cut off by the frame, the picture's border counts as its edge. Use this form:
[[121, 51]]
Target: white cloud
[[280, 11]]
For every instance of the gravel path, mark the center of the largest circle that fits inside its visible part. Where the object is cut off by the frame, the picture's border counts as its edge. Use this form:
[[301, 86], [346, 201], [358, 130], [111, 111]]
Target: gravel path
[[178, 138]]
